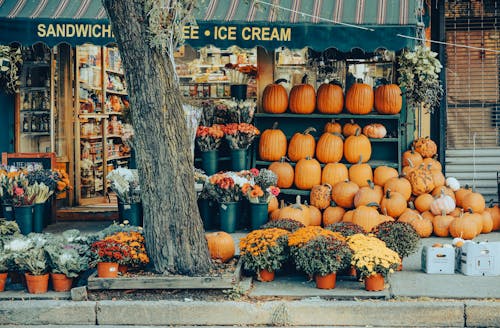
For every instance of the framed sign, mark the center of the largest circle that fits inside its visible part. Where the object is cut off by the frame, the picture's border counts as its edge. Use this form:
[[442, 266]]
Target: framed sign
[[30, 160]]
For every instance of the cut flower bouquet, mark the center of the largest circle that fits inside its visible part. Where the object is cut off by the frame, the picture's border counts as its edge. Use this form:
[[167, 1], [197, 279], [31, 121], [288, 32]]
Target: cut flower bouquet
[[261, 187], [240, 135], [125, 183], [209, 137], [225, 187]]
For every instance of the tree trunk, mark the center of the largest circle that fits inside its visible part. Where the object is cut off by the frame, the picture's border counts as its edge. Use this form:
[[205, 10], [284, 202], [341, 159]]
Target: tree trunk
[[172, 225]]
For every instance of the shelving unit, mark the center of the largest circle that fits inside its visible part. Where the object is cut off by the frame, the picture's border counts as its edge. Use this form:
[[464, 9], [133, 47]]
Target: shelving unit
[[101, 98]]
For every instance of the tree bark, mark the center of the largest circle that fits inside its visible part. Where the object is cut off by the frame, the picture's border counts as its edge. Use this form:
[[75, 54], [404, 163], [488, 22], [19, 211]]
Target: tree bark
[[172, 225]]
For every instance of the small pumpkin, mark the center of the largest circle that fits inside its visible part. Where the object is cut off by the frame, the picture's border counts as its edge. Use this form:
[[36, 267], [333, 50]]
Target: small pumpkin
[[315, 215], [272, 144], [297, 211], [350, 128], [284, 171], [307, 173], [422, 226], [273, 204], [302, 98], [400, 185], [375, 131], [359, 98], [383, 173], [487, 222], [275, 98], [388, 99], [436, 192], [366, 217], [425, 146], [495, 215], [332, 214], [423, 202], [371, 194], [348, 216], [413, 158], [320, 196], [220, 245], [452, 183], [460, 195], [432, 164], [302, 145], [333, 127], [442, 204], [330, 148], [393, 203], [441, 224], [330, 98], [474, 201], [360, 173], [343, 193], [357, 147], [333, 173]]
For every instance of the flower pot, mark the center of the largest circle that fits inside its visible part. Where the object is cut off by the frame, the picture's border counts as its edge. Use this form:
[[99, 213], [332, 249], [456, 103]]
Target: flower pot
[[107, 270], [209, 162], [227, 214], [239, 91], [326, 281], [122, 268], [61, 282], [400, 266], [207, 213], [8, 212], [375, 282], [258, 214], [37, 284], [24, 218], [265, 276], [238, 159], [3, 280], [131, 212], [38, 217]]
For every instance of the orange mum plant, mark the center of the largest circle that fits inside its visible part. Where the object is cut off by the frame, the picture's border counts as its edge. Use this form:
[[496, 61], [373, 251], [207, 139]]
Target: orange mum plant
[[264, 249]]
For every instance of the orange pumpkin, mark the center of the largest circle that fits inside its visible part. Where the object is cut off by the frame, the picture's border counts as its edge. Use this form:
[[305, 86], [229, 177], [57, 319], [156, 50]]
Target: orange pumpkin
[[383, 173], [421, 181], [474, 201], [330, 148], [307, 173], [432, 164], [422, 226], [368, 195], [460, 195], [495, 216], [330, 98], [464, 227], [366, 217], [360, 174], [273, 204], [275, 98], [423, 202], [343, 193], [302, 145], [272, 144], [413, 158], [302, 98], [333, 127], [349, 129], [374, 130], [436, 192], [388, 99], [359, 99], [441, 224], [487, 222], [357, 148], [297, 211], [274, 215], [320, 196], [284, 171], [332, 214], [315, 216], [393, 203], [220, 245], [334, 173], [425, 146], [400, 185]]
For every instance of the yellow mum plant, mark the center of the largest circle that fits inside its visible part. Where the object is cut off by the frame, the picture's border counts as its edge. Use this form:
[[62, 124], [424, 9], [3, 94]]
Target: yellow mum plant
[[264, 249], [372, 256], [303, 235]]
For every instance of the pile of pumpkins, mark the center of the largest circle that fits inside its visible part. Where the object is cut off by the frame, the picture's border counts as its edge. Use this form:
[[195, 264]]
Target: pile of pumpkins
[[420, 196], [336, 142], [360, 99]]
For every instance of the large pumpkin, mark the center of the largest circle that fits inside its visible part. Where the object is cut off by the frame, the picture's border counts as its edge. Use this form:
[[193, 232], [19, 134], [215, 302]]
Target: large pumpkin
[[333, 127], [297, 211], [357, 148], [302, 98], [388, 99], [320, 196], [307, 173], [275, 98], [343, 193], [464, 227], [284, 171], [330, 148], [302, 145], [272, 144], [441, 225], [359, 99], [474, 201], [361, 174], [220, 245], [334, 173], [330, 98]]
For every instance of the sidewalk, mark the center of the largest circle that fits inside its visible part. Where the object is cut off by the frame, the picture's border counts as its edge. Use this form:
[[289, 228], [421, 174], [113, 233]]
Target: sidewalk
[[412, 298]]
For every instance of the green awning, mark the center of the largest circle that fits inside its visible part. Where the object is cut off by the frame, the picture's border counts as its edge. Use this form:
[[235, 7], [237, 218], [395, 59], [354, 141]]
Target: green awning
[[319, 24]]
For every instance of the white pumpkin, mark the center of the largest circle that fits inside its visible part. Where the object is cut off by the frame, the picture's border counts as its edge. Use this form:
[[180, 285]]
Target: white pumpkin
[[452, 183], [442, 204]]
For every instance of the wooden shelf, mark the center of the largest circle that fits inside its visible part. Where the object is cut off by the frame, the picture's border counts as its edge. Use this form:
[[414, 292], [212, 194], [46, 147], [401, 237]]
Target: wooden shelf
[[114, 113], [89, 87], [118, 157], [112, 71], [89, 115], [114, 136], [47, 133], [372, 163], [35, 111], [323, 116], [123, 93], [90, 137], [35, 88]]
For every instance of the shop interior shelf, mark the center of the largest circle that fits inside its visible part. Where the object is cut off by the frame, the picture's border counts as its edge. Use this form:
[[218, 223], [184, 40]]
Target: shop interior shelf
[[46, 133], [90, 137], [123, 92], [37, 88], [113, 71], [36, 111]]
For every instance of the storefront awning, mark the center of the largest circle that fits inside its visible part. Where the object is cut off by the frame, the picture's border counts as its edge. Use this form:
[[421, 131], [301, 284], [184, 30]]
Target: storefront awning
[[319, 24]]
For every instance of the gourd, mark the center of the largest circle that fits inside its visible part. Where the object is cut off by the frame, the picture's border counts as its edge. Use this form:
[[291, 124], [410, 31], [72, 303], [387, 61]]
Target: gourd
[[343, 193], [357, 147], [297, 211], [307, 173], [272, 144], [334, 173], [330, 148], [275, 98], [284, 171], [301, 145], [359, 98], [332, 214], [452, 183], [388, 99], [220, 245], [375, 130], [350, 128], [442, 204], [333, 127], [421, 181], [425, 146], [302, 98], [330, 98], [320, 196]]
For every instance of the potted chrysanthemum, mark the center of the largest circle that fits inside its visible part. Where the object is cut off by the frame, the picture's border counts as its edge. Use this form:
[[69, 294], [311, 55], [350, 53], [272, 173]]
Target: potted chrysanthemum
[[264, 251]]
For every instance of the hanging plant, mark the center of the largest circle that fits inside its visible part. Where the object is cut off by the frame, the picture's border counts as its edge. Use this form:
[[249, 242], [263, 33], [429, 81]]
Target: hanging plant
[[10, 64], [419, 74]]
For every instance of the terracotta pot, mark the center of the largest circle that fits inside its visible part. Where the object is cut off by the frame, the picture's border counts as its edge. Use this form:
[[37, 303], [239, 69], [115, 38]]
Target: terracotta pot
[[37, 284], [122, 268], [265, 275], [107, 270], [326, 281], [400, 266], [61, 282], [3, 280], [353, 272], [375, 282]]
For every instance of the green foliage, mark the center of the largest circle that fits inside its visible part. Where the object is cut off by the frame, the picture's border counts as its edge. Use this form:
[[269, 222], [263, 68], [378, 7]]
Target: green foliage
[[285, 224], [264, 249], [345, 228], [401, 237], [34, 261], [322, 255], [69, 253], [8, 228]]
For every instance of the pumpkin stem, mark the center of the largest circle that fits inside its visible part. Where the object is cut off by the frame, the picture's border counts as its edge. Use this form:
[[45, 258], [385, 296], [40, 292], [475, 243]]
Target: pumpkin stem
[[283, 159], [359, 81], [371, 184], [309, 130], [373, 204], [411, 205], [297, 203], [338, 135], [282, 203], [388, 194], [304, 79], [410, 162], [358, 132], [275, 125], [443, 213], [336, 82], [278, 81], [328, 185], [360, 161]]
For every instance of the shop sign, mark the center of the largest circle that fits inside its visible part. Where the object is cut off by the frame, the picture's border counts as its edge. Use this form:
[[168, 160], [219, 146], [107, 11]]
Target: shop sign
[[74, 30]]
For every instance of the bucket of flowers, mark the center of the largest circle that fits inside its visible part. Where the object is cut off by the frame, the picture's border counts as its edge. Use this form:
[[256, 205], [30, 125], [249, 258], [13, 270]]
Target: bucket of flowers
[[264, 251], [125, 183], [322, 257], [373, 260], [239, 137], [209, 139]]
